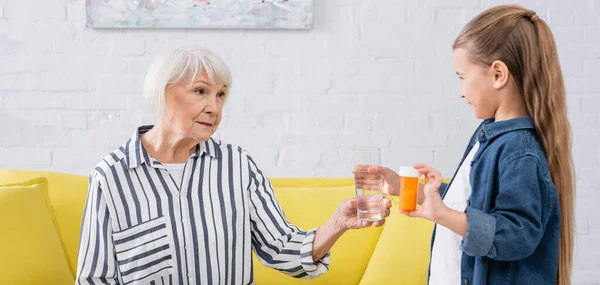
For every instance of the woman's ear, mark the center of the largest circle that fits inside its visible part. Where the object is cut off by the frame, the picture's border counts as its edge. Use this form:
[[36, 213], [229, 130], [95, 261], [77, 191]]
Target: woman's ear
[[500, 74]]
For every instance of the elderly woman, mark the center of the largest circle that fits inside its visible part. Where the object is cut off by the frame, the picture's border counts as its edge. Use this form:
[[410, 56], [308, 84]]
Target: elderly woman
[[174, 206]]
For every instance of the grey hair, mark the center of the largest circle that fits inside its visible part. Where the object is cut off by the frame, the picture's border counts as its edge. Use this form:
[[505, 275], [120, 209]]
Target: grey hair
[[179, 65]]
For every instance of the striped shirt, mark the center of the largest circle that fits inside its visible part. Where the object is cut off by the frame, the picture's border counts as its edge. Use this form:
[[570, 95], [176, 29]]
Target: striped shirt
[[141, 226]]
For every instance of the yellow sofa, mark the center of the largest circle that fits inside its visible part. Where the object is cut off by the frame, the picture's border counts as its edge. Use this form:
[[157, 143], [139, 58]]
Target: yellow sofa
[[41, 213]]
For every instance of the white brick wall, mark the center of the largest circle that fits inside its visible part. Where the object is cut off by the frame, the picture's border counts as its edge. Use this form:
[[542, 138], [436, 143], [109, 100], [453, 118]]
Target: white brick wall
[[370, 73]]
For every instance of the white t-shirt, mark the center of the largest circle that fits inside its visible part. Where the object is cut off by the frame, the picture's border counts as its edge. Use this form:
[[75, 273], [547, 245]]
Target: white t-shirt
[[446, 254], [176, 171]]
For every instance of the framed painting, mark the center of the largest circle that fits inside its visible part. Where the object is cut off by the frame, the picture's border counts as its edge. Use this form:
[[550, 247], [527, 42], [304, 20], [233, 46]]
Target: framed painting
[[207, 14]]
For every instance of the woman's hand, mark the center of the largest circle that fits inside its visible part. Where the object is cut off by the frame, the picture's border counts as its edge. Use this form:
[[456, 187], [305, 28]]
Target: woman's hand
[[344, 218], [432, 207], [346, 215]]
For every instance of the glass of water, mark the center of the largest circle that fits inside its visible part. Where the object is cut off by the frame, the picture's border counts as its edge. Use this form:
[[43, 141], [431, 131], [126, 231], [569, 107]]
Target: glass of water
[[369, 201]]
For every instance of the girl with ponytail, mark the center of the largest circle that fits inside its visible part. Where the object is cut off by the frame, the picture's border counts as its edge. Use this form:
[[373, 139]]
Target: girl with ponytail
[[506, 217]]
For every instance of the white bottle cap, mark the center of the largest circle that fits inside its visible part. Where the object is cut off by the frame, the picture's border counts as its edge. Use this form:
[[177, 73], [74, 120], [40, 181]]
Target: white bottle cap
[[408, 171]]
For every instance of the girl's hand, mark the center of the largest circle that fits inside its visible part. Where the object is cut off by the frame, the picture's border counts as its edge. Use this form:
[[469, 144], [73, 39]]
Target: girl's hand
[[432, 207], [373, 177]]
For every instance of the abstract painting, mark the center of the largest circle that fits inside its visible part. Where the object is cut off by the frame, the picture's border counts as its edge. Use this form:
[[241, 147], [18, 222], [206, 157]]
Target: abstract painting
[[212, 14]]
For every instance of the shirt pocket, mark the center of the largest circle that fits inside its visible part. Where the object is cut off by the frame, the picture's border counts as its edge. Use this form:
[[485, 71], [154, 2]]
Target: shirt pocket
[[144, 252]]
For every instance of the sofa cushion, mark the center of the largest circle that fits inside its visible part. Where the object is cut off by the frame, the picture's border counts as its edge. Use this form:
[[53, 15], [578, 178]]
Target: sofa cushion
[[67, 195], [308, 203], [403, 249], [30, 245]]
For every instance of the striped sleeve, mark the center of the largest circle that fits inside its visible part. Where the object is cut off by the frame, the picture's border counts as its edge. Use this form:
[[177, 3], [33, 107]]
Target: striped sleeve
[[96, 262], [277, 243]]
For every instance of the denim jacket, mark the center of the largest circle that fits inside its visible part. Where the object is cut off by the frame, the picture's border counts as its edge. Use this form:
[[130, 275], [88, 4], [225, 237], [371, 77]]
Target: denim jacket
[[513, 212]]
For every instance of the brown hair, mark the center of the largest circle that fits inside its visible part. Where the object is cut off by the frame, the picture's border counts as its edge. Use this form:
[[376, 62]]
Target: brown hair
[[524, 42]]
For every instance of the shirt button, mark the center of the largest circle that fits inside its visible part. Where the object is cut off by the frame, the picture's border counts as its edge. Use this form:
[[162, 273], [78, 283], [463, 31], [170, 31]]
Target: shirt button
[[465, 281], [481, 135], [189, 274], [183, 220], [187, 246]]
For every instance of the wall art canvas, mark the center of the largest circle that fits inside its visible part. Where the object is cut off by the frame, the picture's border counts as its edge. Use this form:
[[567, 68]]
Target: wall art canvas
[[208, 14]]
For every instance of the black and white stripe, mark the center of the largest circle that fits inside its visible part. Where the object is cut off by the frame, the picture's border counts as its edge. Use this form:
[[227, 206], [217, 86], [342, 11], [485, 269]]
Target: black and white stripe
[[140, 226]]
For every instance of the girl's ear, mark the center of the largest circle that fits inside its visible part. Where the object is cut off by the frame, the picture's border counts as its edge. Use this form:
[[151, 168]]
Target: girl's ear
[[500, 74]]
